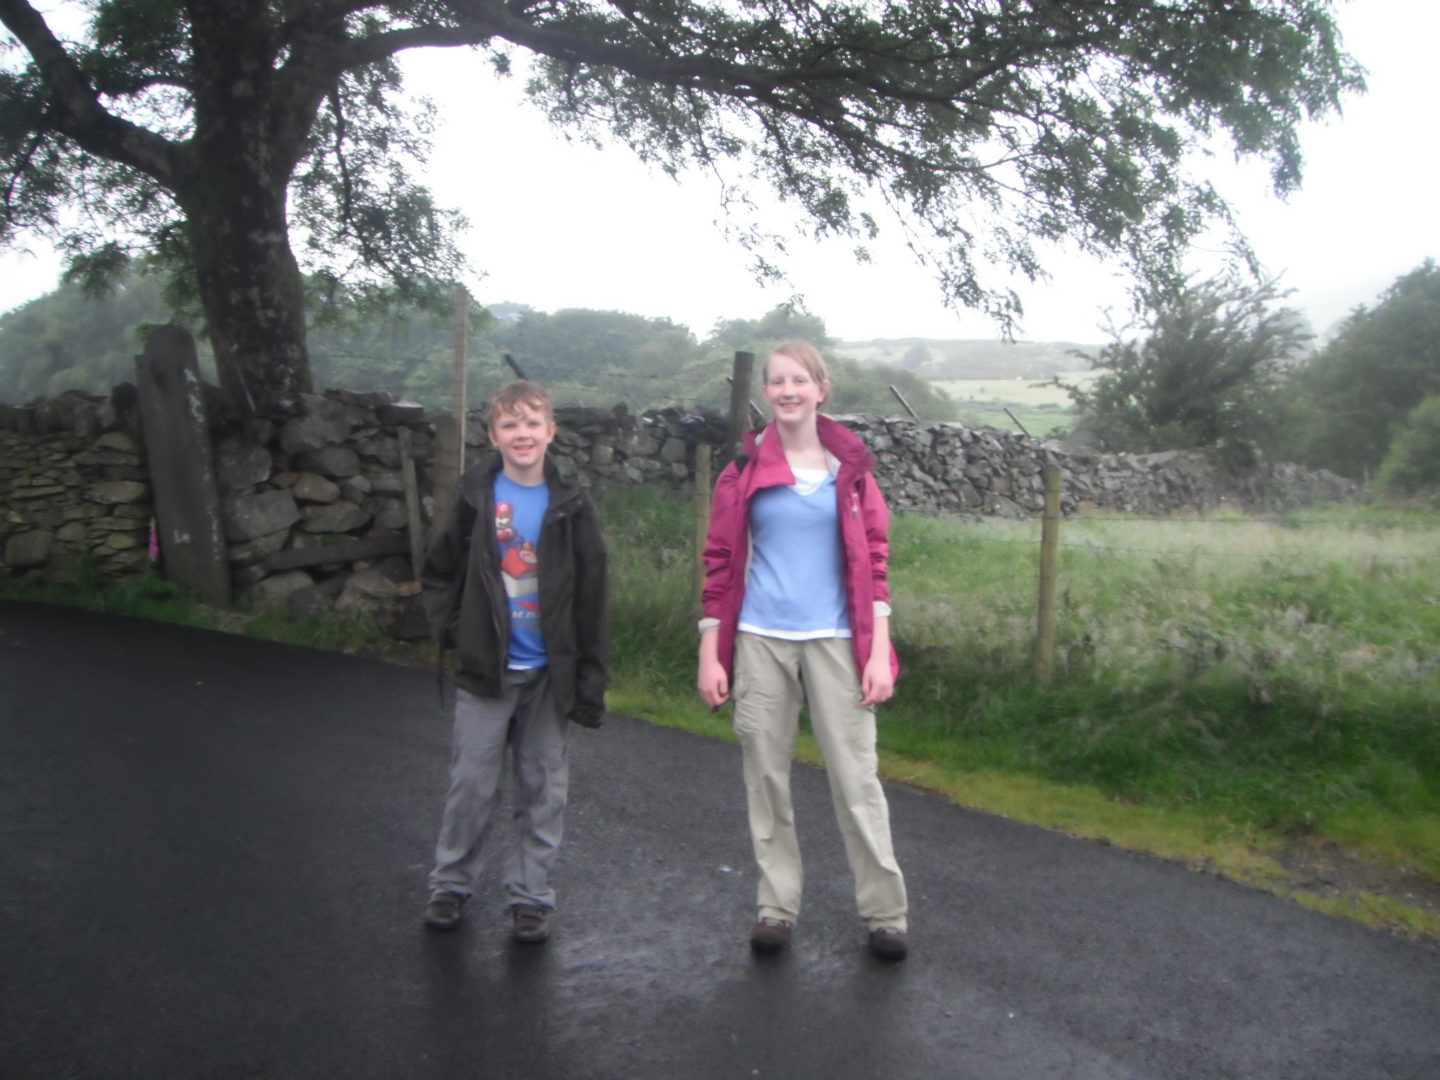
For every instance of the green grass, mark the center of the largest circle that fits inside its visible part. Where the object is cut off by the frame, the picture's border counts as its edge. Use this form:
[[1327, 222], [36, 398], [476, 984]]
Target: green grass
[[1040, 407], [1280, 676], [1224, 688], [1277, 677], [151, 597]]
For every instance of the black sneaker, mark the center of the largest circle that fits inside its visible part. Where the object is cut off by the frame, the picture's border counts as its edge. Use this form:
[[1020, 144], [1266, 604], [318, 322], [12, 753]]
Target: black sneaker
[[444, 910], [532, 924], [889, 942], [769, 935]]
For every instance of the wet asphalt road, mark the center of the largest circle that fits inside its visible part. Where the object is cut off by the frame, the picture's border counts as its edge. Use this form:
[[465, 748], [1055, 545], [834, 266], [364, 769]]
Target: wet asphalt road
[[214, 852]]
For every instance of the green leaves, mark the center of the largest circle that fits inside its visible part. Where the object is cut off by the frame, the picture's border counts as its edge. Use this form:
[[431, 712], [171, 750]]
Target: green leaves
[[1360, 387], [1202, 373], [984, 132], [986, 129]]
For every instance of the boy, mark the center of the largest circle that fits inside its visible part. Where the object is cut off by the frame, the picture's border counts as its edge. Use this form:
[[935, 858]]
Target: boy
[[518, 579]]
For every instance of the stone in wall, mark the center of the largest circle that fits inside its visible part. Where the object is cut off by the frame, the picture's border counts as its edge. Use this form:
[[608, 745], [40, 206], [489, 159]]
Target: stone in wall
[[246, 517], [240, 464]]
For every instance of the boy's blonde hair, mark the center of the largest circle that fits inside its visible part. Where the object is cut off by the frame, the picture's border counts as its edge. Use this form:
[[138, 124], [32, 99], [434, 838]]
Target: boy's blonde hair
[[803, 353], [511, 396]]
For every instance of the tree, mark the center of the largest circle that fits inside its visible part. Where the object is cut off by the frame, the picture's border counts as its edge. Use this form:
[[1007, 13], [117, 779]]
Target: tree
[[781, 323], [66, 341], [1203, 376], [206, 131], [1412, 464], [1356, 391], [865, 388]]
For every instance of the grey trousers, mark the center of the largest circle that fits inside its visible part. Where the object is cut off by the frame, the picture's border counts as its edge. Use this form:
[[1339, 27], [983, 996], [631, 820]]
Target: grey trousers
[[526, 722]]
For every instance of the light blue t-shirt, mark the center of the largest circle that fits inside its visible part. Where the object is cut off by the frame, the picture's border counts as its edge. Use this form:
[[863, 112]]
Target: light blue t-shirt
[[795, 587], [519, 511]]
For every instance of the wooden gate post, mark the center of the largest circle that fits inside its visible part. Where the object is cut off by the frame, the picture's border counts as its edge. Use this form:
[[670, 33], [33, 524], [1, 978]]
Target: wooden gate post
[[445, 466], [740, 398], [182, 465]]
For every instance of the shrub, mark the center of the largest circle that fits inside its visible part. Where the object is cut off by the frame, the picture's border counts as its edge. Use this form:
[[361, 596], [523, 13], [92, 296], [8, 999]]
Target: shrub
[[1412, 462]]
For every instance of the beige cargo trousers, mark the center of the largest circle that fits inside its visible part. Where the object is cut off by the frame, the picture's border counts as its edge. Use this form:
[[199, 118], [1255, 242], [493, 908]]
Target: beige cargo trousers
[[773, 679]]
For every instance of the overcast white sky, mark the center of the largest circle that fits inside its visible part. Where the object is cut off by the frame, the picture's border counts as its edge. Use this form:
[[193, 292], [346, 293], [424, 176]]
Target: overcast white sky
[[561, 225]]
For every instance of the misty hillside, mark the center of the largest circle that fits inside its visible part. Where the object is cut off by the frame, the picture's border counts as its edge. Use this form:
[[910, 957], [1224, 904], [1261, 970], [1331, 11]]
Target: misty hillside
[[972, 359]]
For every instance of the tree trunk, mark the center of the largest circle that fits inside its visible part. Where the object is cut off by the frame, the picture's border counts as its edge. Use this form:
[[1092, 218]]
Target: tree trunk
[[248, 136], [251, 291]]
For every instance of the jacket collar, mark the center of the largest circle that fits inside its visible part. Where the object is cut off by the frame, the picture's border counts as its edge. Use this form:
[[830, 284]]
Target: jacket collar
[[844, 449], [476, 483]]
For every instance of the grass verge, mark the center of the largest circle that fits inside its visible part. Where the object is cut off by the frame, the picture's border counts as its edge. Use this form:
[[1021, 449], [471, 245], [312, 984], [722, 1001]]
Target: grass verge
[[1254, 699]]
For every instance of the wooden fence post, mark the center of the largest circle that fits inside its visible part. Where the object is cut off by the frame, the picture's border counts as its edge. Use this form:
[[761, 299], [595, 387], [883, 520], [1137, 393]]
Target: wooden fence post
[[1049, 544], [182, 465], [702, 517], [458, 383], [445, 466], [449, 452], [415, 522], [901, 398], [740, 398]]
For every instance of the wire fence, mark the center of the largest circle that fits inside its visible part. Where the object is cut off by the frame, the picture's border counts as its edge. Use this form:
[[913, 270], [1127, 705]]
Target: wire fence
[[1291, 554]]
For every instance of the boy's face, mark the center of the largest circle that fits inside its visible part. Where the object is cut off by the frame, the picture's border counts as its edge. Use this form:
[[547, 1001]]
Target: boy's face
[[521, 437]]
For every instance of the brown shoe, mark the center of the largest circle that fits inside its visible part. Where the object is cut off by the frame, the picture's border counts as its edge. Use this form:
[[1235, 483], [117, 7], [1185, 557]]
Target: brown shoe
[[444, 910], [769, 935], [532, 924], [889, 942]]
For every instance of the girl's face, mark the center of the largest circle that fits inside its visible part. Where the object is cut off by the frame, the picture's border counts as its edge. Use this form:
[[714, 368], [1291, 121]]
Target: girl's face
[[791, 392]]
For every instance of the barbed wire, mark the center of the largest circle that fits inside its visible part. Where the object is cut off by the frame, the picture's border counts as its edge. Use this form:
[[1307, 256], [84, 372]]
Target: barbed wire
[[1286, 519], [1191, 553]]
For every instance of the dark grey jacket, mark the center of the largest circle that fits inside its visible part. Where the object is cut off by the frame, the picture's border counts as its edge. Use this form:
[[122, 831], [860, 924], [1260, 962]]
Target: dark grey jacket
[[574, 616]]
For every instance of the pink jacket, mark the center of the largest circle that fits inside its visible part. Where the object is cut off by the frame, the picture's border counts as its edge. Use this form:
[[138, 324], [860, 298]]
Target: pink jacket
[[864, 534]]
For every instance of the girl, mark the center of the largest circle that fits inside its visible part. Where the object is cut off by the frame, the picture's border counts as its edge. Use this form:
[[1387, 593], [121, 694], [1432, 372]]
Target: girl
[[796, 613]]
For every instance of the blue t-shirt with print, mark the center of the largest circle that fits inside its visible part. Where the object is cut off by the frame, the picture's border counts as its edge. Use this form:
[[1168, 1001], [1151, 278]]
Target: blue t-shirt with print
[[519, 511]]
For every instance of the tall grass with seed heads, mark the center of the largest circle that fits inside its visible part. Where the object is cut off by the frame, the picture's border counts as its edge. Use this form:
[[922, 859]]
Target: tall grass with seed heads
[[1280, 673]]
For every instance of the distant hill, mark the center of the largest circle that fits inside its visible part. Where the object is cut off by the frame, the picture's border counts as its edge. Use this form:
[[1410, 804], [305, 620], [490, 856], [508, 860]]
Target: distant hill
[[970, 359]]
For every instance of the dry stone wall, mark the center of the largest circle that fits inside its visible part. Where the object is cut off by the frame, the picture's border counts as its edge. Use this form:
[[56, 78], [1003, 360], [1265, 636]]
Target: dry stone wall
[[314, 506], [72, 481]]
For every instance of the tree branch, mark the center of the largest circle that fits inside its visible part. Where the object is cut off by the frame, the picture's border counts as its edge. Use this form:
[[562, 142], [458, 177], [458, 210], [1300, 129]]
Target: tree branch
[[77, 112]]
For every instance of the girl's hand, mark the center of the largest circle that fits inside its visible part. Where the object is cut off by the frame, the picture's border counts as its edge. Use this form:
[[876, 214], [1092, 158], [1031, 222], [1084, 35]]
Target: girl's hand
[[712, 683], [877, 684]]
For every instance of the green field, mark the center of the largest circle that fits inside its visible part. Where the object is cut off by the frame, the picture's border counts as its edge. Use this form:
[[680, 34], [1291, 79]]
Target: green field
[[1042, 408]]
